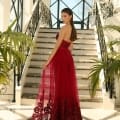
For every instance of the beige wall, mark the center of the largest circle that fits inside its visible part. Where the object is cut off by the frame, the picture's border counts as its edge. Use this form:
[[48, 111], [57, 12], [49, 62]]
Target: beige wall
[[4, 14], [116, 3]]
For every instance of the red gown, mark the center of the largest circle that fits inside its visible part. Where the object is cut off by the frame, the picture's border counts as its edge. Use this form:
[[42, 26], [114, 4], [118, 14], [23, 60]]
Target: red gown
[[58, 95]]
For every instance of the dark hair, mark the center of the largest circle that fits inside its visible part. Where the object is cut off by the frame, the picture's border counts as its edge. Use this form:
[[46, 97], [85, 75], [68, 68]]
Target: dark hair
[[73, 33]]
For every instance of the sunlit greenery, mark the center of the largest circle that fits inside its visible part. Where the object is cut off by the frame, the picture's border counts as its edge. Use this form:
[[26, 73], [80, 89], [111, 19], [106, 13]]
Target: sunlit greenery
[[13, 47]]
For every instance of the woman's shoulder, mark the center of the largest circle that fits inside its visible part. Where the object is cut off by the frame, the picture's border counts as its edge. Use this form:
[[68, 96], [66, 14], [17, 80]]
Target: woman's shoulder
[[62, 29], [65, 28]]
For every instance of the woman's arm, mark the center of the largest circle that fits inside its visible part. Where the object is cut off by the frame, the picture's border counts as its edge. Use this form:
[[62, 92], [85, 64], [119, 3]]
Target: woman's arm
[[57, 45]]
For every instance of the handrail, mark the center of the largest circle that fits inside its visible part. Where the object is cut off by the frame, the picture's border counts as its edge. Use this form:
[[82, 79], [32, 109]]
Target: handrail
[[103, 46], [35, 14]]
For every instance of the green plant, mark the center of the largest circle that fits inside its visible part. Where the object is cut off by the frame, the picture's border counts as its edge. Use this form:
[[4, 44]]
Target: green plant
[[13, 47], [112, 65]]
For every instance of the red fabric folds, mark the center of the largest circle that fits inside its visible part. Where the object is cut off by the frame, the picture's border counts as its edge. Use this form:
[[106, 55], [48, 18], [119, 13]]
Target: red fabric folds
[[58, 96]]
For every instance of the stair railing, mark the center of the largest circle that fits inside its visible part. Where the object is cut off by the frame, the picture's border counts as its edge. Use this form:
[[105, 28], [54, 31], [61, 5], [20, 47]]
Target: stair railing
[[109, 86], [30, 29]]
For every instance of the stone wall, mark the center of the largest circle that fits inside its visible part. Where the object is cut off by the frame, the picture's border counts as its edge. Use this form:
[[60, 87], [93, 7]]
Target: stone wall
[[4, 14], [116, 4]]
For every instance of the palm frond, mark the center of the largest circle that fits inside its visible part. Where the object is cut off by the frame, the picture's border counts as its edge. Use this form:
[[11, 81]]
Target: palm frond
[[11, 25], [115, 42], [4, 66], [13, 47], [94, 76], [113, 27]]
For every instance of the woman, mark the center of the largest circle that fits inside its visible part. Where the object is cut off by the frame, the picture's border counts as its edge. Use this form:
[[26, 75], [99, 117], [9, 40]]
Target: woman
[[58, 96]]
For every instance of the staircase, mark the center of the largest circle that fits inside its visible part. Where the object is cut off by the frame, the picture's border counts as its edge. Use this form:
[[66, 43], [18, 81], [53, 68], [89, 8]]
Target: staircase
[[84, 50]]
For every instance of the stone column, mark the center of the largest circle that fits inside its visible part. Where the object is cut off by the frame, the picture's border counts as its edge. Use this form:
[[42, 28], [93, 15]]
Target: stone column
[[4, 14]]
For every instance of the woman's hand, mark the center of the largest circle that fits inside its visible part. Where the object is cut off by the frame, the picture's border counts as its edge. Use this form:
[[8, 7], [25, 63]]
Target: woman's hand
[[45, 65], [70, 47]]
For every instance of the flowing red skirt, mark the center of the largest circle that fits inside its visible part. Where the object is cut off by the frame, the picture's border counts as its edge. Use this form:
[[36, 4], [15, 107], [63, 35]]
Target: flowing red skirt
[[58, 96]]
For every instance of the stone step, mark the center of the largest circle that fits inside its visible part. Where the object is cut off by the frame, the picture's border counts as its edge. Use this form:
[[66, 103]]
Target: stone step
[[93, 105], [76, 46], [84, 98], [38, 69], [32, 79], [36, 85], [30, 73], [44, 30], [33, 88], [74, 52], [38, 75], [77, 64], [83, 105], [80, 58], [80, 41], [80, 86], [79, 75], [53, 35], [83, 79]]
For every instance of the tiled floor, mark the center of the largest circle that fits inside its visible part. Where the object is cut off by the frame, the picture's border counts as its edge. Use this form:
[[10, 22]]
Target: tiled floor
[[10, 111]]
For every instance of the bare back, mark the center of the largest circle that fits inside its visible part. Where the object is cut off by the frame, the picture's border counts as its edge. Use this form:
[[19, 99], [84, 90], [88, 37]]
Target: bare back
[[68, 30]]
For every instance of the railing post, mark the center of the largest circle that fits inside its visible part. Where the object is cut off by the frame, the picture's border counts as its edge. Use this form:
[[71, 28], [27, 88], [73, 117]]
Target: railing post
[[18, 75], [17, 26], [88, 20], [21, 15], [17, 9], [83, 15], [14, 85], [58, 14]]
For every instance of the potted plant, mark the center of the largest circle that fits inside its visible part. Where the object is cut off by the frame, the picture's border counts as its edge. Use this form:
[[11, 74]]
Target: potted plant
[[112, 65]]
